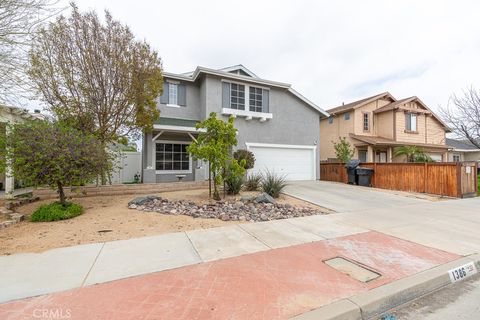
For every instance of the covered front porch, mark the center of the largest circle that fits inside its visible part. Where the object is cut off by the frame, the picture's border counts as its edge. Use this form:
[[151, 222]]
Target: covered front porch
[[382, 150], [165, 156]]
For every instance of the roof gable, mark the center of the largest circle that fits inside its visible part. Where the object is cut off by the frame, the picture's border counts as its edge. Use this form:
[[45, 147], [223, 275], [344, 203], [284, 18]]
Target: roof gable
[[398, 104], [239, 69], [359, 103]]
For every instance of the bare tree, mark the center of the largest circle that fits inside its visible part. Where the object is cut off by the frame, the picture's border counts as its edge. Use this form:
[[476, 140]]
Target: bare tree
[[462, 115], [97, 76], [18, 20]]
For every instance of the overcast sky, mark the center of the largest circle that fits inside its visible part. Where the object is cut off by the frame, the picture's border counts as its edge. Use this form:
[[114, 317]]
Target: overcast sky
[[330, 51]]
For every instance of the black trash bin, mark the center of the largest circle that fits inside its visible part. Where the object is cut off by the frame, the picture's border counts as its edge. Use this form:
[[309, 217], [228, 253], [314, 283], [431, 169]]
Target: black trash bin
[[364, 176], [351, 166]]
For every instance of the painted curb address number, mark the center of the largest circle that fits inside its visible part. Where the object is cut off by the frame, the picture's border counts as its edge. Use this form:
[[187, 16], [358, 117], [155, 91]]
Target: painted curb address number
[[462, 272]]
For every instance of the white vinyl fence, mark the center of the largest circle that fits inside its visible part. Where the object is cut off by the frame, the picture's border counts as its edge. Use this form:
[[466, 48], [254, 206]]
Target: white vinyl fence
[[129, 164]]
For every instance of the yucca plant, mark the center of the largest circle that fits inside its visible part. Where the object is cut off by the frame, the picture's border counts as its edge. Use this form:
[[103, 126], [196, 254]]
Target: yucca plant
[[252, 182], [272, 183]]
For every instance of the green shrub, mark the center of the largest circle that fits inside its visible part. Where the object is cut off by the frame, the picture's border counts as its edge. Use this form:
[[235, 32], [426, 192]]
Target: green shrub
[[246, 155], [252, 183], [234, 177], [56, 211], [272, 183]]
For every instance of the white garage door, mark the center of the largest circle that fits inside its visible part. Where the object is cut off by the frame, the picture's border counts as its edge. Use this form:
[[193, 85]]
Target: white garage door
[[295, 162]]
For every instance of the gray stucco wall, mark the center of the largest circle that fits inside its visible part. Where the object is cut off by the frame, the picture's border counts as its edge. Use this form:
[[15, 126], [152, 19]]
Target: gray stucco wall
[[193, 108]]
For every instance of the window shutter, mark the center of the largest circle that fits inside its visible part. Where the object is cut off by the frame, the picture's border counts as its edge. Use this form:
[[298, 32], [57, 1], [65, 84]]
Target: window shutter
[[225, 95], [164, 97], [265, 100], [182, 95], [407, 122]]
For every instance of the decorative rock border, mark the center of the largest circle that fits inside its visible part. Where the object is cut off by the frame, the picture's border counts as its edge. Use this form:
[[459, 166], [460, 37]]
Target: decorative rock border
[[248, 209]]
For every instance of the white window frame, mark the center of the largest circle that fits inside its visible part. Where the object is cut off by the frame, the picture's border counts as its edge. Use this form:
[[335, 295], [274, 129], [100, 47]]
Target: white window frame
[[171, 171], [172, 94], [456, 156], [255, 99], [245, 95], [263, 116]]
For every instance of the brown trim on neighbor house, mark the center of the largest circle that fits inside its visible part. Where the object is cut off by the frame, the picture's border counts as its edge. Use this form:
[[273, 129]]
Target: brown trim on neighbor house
[[410, 131], [394, 125], [426, 133]]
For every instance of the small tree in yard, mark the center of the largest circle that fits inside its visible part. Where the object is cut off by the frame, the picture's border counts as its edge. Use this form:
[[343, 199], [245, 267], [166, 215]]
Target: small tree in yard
[[215, 146], [52, 154], [343, 150]]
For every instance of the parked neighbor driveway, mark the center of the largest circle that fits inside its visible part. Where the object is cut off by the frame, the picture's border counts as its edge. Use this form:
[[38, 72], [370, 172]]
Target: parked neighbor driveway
[[346, 198]]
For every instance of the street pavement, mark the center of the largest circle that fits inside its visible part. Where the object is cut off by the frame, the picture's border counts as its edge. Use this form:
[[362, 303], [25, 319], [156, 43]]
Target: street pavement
[[460, 301]]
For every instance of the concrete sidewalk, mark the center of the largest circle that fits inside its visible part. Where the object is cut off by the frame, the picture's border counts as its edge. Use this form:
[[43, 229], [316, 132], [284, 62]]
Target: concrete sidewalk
[[272, 284], [31, 274]]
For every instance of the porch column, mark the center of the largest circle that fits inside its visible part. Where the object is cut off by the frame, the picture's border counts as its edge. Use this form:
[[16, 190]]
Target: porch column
[[370, 154], [389, 154]]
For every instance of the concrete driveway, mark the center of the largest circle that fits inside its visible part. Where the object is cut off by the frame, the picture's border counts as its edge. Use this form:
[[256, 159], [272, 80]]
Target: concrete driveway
[[347, 198]]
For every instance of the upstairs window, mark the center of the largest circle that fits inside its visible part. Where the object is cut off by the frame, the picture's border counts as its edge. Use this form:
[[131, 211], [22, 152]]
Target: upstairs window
[[244, 97], [411, 122], [237, 96], [256, 99], [330, 120], [366, 121], [173, 93], [346, 116]]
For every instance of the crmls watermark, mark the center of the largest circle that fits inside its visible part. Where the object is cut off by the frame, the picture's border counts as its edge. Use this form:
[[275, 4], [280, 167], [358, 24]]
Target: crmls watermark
[[52, 313]]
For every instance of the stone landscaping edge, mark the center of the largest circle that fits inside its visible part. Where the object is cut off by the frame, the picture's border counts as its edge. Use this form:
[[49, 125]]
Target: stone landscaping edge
[[120, 189], [378, 301]]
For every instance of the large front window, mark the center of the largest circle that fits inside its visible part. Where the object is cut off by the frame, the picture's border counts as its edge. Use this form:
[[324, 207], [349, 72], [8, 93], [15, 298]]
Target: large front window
[[237, 96], [172, 157], [256, 98]]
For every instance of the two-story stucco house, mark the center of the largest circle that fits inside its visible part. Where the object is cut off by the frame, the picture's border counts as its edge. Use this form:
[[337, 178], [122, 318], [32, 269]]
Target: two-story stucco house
[[377, 124], [275, 122]]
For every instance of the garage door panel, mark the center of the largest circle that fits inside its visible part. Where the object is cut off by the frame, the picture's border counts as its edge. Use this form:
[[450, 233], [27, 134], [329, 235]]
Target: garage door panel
[[295, 163]]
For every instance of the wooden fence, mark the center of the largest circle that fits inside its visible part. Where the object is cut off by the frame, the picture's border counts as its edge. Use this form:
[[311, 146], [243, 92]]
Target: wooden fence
[[441, 178]]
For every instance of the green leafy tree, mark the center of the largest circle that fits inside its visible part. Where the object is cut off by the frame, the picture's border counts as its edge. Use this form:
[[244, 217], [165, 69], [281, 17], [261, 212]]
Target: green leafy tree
[[412, 154], [343, 150], [215, 145], [96, 76], [52, 154]]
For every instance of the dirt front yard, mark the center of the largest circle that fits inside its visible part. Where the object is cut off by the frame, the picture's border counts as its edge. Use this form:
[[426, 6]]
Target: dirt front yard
[[107, 218]]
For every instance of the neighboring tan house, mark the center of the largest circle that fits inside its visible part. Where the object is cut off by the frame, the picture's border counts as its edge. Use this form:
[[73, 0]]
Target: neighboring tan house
[[462, 150], [374, 126], [275, 122]]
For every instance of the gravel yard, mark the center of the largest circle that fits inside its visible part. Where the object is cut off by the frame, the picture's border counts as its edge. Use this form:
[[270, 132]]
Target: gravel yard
[[108, 218]]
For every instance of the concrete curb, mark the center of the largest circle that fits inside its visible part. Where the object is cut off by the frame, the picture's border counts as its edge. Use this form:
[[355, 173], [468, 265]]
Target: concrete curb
[[377, 301]]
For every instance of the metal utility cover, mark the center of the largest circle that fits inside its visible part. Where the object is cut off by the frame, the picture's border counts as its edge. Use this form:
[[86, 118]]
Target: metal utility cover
[[352, 269]]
